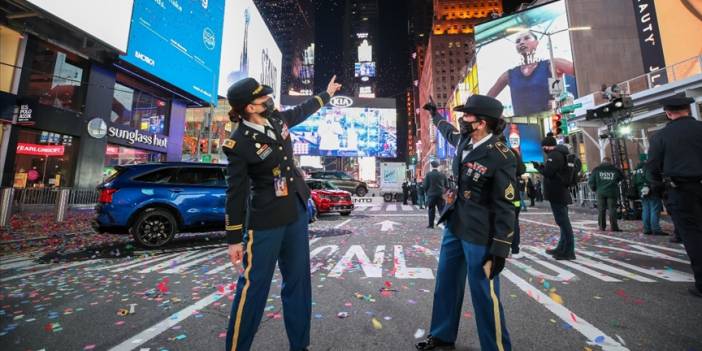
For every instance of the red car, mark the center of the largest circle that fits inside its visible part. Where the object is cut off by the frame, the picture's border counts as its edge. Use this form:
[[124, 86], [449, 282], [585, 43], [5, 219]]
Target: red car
[[328, 198]]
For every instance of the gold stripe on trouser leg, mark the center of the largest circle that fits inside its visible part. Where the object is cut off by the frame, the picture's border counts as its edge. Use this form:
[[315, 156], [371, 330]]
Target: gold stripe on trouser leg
[[498, 322], [242, 301]]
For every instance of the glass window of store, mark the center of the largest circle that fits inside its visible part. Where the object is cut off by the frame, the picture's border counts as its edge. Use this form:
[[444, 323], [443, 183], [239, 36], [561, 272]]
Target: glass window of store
[[204, 137], [44, 159], [9, 52], [137, 109], [58, 77], [118, 155]]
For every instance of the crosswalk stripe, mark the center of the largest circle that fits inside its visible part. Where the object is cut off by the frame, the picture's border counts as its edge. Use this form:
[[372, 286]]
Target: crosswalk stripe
[[15, 258], [129, 263], [183, 267], [176, 260], [141, 263], [391, 208], [375, 208], [219, 269], [603, 267], [667, 274], [583, 269], [407, 208], [17, 264], [60, 267], [582, 326]]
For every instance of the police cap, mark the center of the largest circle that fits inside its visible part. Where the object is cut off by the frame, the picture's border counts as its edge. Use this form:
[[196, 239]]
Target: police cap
[[246, 90], [677, 102]]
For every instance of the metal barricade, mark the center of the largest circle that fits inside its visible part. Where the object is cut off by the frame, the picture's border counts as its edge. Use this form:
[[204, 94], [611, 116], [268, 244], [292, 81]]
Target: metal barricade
[[62, 204], [6, 197]]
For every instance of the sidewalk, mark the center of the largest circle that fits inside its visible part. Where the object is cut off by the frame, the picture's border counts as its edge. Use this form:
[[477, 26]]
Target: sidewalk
[[39, 231]]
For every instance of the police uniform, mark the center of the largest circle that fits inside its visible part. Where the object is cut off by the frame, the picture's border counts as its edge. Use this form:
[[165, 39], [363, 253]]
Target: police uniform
[[479, 226], [675, 158], [267, 196]]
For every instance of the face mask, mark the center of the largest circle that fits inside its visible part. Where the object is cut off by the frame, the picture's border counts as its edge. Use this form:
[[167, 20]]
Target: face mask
[[269, 106], [466, 127]]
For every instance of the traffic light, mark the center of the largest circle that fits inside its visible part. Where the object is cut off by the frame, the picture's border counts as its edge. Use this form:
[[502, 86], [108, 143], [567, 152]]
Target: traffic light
[[556, 124]]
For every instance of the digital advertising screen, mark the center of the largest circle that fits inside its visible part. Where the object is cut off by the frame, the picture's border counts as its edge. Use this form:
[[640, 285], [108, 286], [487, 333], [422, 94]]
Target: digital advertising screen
[[347, 127], [106, 20], [526, 139], [248, 49], [513, 60], [364, 69], [179, 42]]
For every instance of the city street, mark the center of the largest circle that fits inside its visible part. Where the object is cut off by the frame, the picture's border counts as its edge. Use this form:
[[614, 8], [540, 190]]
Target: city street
[[373, 282]]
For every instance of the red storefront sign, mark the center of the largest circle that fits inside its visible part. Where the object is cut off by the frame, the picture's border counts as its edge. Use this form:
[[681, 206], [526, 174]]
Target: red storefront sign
[[39, 150]]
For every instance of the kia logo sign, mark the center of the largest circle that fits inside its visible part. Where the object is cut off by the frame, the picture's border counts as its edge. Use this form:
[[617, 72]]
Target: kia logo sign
[[341, 101]]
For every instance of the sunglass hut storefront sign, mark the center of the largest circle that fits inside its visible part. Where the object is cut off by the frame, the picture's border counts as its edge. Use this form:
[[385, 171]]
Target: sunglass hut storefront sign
[[136, 136]]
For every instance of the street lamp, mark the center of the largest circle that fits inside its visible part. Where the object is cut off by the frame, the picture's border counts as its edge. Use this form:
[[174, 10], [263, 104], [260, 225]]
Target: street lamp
[[550, 44]]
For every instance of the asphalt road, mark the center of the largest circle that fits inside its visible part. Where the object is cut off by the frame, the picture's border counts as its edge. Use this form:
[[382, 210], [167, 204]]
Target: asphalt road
[[624, 292]]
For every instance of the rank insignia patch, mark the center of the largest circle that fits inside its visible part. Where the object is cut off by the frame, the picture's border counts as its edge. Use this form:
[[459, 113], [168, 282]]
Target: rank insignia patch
[[509, 192], [229, 144]]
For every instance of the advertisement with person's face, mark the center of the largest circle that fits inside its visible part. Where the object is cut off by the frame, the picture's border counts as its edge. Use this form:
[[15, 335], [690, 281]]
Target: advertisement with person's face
[[248, 49], [355, 130], [514, 63]]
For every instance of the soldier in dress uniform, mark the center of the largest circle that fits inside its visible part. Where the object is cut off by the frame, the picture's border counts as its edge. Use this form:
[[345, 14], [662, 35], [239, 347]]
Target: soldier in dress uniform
[[267, 197], [675, 159], [479, 226]]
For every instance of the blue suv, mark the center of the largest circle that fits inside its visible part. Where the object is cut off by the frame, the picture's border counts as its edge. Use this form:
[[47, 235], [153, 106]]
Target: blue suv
[[153, 202]]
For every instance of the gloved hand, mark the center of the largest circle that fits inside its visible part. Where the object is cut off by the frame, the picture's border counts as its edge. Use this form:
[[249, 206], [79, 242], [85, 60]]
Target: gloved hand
[[431, 107], [493, 265]]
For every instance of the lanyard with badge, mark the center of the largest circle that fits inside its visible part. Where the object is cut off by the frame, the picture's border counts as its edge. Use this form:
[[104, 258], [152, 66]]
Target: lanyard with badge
[[281, 186]]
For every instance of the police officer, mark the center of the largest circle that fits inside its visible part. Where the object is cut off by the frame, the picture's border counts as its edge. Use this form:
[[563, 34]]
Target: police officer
[[675, 158], [267, 196], [605, 180], [479, 226], [435, 183]]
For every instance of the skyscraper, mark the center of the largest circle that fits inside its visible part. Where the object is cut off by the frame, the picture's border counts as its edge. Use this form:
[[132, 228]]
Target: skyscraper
[[360, 47]]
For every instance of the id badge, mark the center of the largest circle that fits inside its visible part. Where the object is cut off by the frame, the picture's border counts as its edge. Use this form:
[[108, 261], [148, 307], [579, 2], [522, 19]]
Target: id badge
[[281, 186]]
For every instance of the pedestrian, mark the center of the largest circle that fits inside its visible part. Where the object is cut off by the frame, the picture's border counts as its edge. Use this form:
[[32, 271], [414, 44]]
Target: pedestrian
[[675, 159], [651, 203], [405, 192], [479, 227], [556, 192], [435, 184], [531, 191], [604, 180], [266, 212], [521, 181], [539, 187], [421, 195], [413, 191]]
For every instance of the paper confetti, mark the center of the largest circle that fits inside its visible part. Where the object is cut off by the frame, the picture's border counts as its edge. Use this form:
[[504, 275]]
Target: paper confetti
[[376, 324]]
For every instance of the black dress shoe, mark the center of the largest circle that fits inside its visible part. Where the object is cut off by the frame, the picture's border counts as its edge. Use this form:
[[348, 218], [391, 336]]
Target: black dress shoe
[[432, 343], [695, 292], [560, 257], [675, 240]]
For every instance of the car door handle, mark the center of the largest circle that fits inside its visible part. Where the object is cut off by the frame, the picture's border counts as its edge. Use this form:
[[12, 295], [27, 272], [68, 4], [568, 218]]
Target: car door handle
[[176, 190]]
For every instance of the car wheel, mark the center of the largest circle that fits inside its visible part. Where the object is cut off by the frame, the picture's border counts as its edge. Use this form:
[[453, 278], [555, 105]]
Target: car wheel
[[345, 213], [361, 191], [154, 228]]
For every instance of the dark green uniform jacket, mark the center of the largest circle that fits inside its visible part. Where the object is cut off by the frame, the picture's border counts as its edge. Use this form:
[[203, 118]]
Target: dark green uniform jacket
[[605, 180], [255, 161]]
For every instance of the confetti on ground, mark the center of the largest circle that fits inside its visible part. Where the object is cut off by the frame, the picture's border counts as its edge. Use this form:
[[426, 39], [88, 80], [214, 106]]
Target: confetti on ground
[[376, 324], [419, 333]]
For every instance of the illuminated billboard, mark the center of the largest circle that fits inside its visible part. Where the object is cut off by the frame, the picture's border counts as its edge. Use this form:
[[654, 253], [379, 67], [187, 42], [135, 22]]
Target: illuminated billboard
[[347, 127], [364, 69], [513, 60], [179, 42], [106, 20], [248, 49], [526, 139]]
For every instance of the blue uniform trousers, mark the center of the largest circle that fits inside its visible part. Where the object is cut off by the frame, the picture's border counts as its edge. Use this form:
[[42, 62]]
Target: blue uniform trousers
[[458, 259], [289, 247]]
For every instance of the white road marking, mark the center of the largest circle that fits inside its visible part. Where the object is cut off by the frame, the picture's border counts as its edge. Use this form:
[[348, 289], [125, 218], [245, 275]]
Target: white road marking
[[407, 208], [220, 268], [315, 266], [640, 243], [376, 208], [174, 261], [172, 320], [563, 275], [183, 267], [403, 272], [588, 330], [603, 267], [573, 265], [15, 258], [18, 264], [342, 224], [644, 252], [131, 264], [387, 225], [667, 274], [58, 268], [314, 240], [372, 269], [391, 208]]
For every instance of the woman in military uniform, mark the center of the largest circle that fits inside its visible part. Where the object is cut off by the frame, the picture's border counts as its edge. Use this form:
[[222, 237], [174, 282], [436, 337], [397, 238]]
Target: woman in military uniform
[[479, 221], [267, 196]]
